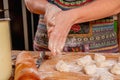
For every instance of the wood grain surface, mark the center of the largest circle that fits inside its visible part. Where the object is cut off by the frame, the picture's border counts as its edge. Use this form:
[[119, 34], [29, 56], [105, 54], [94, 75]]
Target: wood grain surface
[[48, 72]]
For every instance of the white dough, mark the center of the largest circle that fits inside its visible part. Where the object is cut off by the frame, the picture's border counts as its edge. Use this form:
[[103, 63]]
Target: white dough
[[106, 63], [86, 60], [116, 69], [99, 58], [90, 69], [106, 77], [62, 66]]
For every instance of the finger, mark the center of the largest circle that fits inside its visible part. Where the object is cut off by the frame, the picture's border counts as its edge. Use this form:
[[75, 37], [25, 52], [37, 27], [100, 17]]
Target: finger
[[51, 43], [50, 31]]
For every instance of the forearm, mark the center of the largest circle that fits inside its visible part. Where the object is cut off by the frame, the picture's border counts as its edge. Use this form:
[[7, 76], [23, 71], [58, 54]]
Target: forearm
[[36, 6], [95, 10]]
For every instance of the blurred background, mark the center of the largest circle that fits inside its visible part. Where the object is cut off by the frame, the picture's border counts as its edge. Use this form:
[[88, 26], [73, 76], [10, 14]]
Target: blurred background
[[23, 24]]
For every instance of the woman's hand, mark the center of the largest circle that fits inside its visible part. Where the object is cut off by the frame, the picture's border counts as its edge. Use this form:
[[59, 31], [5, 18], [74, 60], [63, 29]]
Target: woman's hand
[[63, 22], [51, 11]]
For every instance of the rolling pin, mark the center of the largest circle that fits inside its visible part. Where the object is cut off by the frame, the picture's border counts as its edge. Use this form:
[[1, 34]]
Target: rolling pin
[[25, 67]]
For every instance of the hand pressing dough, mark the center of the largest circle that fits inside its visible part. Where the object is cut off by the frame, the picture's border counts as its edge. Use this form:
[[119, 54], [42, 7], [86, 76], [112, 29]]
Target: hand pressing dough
[[86, 60], [90, 69], [99, 58], [116, 69]]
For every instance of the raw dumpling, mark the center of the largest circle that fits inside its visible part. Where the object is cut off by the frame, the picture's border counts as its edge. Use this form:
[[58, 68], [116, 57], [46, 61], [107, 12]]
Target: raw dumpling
[[62, 66], [116, 69], [106, 63], [86, 60], [99, 58], [90, 69]]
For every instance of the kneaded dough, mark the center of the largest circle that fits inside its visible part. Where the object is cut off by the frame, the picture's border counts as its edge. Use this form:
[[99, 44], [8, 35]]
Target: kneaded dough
[[86, 60], [106, 77], [62, 66], [90, 69], [106, 63], [116, 69], [99, 58]]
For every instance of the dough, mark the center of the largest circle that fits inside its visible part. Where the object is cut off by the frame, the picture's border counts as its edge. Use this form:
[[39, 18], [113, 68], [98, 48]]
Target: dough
[[86, 60], [99, 58], [102, 74], [106, 77], [65, 67], [106, 63], [62, 66], [90, 69], [116, 69]]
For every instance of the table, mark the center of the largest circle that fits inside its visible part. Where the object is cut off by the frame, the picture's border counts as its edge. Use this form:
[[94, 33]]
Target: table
[[36, 55]]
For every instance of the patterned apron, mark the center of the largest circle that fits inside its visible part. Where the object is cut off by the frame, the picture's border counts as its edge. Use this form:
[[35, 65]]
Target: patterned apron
[[94, 36]]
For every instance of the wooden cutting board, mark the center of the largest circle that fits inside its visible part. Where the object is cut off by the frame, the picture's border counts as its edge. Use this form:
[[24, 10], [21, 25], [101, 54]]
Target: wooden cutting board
[[48, 71]]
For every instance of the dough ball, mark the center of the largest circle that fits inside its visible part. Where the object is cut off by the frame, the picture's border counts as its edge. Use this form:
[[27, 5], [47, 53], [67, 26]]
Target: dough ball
[[90, 69], [86, 60], [107, 63], [116, 69], [99, 58], [75, 68], [62, 66]]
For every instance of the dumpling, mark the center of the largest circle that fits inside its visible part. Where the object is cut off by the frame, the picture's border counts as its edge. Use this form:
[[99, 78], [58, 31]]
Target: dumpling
[[116, 69], [106, 63], [90, 69], [86, 60], [99, 58], [62, 66]]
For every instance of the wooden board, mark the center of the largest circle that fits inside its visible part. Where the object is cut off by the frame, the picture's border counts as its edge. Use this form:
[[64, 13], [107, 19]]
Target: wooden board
[[48, 72]]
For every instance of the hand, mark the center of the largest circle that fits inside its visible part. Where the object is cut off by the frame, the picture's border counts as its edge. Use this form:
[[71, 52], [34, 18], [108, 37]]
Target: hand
[[63, 22], [51, 10]]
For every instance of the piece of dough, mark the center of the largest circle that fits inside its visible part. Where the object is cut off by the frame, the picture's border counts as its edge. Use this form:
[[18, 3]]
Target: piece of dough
[[106, 77], [102, 74], [90, 69], [106, 63], [62, 66], [86, 60], [116, 69], [99, 58]]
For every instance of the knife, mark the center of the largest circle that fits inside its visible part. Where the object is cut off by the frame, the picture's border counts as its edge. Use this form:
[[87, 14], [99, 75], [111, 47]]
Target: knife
[[40, 59]]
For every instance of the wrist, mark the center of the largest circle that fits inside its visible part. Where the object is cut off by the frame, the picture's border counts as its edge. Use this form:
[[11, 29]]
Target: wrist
[[73, 16]]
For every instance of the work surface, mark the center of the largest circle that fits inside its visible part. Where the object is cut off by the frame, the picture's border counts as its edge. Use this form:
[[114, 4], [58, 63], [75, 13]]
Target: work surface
[[51, 61]]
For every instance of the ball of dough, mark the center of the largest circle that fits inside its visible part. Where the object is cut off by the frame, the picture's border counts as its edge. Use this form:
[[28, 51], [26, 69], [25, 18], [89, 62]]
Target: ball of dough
[[116, 69], [62, 66], [106, 63], [86, 60], [90, 69], [99, 58]]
